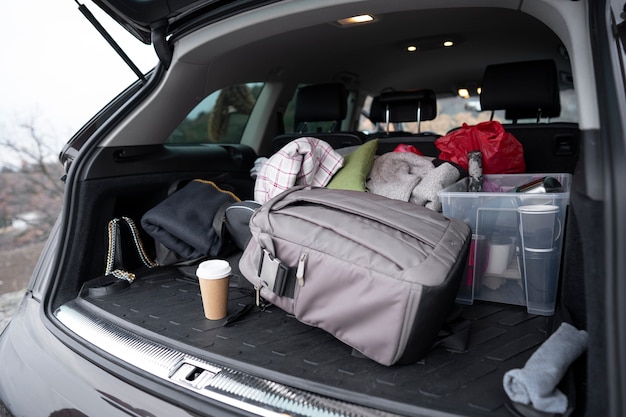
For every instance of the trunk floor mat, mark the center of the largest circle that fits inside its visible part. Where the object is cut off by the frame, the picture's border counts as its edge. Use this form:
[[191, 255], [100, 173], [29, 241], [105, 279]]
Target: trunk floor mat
[[168, 305]]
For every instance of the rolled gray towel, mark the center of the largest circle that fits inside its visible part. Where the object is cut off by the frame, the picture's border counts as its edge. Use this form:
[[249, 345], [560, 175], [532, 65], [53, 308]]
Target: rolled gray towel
[[536, 382]]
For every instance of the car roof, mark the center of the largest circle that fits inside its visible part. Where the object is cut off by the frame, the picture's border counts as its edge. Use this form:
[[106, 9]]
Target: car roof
[[375, 53]]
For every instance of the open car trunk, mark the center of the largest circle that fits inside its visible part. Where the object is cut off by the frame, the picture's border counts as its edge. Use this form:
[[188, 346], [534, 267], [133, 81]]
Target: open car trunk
[[165, 305], [161, 311]]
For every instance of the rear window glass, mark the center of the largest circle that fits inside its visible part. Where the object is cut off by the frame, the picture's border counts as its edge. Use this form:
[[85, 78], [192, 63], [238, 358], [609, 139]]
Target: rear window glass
[[220, 118], [452, 112]]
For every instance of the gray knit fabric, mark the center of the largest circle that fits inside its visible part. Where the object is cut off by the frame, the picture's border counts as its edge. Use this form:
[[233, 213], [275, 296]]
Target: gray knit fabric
[[410, 177], [536, 382], [425, 193]]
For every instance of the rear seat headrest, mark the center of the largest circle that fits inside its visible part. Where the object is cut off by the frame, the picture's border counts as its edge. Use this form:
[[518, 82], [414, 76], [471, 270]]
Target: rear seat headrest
[[523, 89], [403, 106], [321, 103]]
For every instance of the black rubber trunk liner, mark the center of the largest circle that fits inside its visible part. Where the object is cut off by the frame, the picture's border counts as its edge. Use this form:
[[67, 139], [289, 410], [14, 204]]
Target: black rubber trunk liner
[[168, 303]]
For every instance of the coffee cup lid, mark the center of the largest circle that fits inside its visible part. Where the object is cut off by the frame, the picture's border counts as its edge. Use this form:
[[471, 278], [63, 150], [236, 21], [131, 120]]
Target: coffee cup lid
[[213, 269]]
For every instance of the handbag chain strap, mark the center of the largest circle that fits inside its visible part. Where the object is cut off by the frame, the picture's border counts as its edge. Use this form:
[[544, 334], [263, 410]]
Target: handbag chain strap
[[113, 229]]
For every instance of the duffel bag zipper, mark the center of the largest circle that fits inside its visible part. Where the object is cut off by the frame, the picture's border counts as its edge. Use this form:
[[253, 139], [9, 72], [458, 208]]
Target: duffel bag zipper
[[300, 269]]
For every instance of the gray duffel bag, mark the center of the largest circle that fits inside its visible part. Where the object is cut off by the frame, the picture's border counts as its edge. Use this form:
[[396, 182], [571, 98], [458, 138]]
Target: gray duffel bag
[[381, 275]]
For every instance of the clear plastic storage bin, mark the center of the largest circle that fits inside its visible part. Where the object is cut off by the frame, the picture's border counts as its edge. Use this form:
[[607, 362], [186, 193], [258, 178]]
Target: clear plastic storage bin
[[517, 237]]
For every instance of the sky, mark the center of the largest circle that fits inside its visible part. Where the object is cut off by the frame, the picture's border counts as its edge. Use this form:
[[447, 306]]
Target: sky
[[56, 71]]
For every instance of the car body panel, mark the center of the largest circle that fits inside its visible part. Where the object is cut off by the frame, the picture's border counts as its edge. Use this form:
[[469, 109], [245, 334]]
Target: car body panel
[[122, 166], [32, 353]]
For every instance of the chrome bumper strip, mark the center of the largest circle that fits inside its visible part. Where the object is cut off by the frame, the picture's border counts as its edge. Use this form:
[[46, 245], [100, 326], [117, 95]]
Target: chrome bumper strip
[[228, 386]]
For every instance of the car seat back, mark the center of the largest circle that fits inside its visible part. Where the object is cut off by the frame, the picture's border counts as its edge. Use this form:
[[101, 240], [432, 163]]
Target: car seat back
[[320, 103], [400, 107], [530, 90]]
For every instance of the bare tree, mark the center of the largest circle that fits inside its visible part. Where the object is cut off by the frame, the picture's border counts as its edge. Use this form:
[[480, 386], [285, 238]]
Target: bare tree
[[30, 187]]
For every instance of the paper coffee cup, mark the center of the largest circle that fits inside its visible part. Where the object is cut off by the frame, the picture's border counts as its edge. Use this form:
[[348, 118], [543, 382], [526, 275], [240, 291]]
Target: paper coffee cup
[[214, 276]]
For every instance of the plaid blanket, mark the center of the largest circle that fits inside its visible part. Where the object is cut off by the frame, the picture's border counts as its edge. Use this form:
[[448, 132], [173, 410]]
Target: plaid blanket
[[304, 161]]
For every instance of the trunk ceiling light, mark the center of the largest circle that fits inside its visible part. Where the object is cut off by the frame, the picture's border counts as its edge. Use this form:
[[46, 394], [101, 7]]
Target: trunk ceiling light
[[431, 43], [356, 20]]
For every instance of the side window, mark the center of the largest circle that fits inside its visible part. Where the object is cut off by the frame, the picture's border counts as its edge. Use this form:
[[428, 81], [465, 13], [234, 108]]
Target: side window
[[219, 118]]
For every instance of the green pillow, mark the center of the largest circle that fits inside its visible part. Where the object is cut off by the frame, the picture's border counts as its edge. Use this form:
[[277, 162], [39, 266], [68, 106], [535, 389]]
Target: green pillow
[[356, 168]]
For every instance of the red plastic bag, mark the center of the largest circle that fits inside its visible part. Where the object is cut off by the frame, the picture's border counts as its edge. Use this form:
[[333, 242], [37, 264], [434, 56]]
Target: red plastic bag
[[502, 152], [408, 148]]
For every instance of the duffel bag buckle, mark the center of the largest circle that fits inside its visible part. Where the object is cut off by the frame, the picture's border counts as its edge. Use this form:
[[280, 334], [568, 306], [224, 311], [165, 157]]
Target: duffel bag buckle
[[273, 273]]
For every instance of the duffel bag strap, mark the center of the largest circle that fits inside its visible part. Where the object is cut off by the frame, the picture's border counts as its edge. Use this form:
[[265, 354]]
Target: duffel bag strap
[[455, 332]]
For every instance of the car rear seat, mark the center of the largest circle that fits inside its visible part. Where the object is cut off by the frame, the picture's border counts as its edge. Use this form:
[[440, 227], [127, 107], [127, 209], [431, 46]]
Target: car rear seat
[[401, 107], [531, 90], [321, 103]]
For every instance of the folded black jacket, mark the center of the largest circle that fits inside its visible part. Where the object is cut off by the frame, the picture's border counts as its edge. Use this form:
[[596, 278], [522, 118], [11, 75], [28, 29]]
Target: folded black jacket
[[183, 222]]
